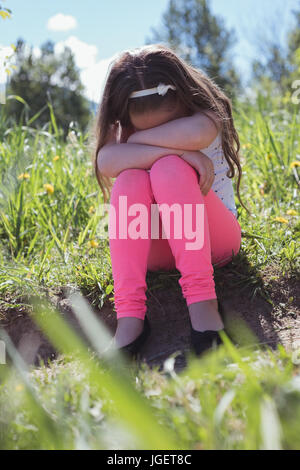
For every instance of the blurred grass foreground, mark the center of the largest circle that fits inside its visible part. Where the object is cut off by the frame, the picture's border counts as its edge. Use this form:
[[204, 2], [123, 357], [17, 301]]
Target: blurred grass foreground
[[233, 398]]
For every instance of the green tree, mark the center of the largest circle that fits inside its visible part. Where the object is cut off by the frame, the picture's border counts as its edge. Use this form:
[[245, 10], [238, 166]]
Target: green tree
[[49, 78], [280, 65], [201, 38], [294, 49], [294, 36]]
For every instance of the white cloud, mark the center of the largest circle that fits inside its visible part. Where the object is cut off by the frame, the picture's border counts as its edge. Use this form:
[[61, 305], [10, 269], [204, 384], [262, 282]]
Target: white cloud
[[94, 78], [61, 22], [93, 73], [85, 54]]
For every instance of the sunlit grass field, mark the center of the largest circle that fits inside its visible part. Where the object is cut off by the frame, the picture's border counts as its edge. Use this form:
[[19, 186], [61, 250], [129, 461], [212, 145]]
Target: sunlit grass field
[[50, 214]]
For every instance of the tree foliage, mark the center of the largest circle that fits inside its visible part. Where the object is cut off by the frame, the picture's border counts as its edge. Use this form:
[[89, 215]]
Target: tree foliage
[[281, 63], [49, 78], [201, 38]]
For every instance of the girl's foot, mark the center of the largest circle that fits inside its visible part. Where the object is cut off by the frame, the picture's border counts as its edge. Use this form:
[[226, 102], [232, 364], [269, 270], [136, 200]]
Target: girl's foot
[[205, 316], [128, 329]]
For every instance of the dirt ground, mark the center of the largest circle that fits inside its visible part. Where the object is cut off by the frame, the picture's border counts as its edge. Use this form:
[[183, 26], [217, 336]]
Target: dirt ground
[[249, 317]]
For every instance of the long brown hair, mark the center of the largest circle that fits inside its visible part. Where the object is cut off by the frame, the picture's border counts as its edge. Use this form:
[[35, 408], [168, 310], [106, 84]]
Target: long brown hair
[[145, 67]]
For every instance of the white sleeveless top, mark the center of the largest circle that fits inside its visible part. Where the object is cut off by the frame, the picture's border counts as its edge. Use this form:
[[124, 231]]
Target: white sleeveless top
[[222, 185]]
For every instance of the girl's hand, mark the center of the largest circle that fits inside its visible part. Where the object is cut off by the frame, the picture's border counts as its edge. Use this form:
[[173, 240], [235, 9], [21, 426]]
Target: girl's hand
[[203, 164]]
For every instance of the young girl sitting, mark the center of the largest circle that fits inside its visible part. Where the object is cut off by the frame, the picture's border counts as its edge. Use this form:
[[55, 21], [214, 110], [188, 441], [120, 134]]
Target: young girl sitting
[[165, 132]]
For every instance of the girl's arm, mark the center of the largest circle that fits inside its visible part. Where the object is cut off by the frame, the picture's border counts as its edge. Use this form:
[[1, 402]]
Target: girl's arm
[[118, 155], [191, 133], [114, 158], [204, 166]]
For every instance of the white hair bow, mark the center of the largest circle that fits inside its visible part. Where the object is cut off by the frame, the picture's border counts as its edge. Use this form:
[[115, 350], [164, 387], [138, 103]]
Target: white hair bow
[[161, 89]]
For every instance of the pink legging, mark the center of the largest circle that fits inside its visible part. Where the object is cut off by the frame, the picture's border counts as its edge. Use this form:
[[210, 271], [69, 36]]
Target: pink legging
[[171, 180]]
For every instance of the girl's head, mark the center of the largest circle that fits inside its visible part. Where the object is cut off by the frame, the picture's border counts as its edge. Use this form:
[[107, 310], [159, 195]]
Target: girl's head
[[144, 68]]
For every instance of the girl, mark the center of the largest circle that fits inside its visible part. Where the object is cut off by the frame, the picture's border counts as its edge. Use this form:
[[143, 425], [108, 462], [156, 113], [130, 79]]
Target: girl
[[165, 132]]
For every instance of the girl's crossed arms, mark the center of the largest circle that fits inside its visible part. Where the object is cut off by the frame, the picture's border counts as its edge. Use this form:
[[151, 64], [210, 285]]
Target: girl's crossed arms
[[159, 133]]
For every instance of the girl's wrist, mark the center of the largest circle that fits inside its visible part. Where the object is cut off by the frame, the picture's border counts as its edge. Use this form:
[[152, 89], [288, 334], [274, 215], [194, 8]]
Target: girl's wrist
[[192, 157]]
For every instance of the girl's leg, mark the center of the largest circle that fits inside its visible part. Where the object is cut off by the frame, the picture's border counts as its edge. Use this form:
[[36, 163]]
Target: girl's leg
[[130, 257], [225, 239], [174, 181], [160, 254], [131, 197], [224, 230]]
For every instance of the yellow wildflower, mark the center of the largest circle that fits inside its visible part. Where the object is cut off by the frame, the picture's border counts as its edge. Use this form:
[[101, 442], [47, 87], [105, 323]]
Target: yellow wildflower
[[49, 188], [93, 243], [246, 146], [57, 157], [281, 219], [291, 212], [5, 14], [293, 164], [24, 176], [269, 156], [19, 388], [91, 209]]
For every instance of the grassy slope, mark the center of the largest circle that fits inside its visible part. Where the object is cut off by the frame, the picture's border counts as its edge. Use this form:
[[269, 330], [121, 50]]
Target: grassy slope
[[50, 237]]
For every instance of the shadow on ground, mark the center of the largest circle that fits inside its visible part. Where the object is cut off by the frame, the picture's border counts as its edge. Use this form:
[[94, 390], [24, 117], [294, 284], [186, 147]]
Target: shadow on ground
[[259, 307]]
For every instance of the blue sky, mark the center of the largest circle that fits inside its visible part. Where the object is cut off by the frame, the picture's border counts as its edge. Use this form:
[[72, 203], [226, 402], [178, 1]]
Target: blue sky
[[98, 29]]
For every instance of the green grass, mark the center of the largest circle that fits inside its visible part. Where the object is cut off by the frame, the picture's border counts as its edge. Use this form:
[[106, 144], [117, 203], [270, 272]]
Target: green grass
[[48, 233], [230, 399], [48, 239], [270, 185], [233, 399]]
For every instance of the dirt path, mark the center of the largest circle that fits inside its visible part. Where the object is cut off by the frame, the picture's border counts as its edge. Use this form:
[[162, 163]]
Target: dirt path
[[248, 318]]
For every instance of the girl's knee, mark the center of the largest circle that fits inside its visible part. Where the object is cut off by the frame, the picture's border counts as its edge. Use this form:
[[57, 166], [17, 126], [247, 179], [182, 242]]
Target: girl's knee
[[132, 180], [166, 161], [132, 174], [171, 168]]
